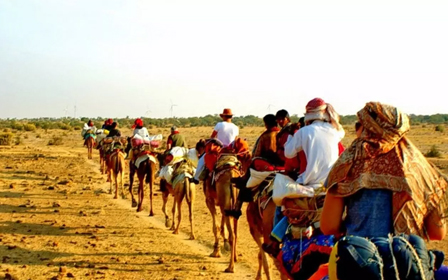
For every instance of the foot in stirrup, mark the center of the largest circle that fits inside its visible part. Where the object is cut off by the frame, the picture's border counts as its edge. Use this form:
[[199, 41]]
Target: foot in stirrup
[[233, 213]]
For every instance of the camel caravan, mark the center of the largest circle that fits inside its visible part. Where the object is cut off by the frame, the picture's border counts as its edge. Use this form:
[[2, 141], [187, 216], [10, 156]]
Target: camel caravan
[[318, 209]]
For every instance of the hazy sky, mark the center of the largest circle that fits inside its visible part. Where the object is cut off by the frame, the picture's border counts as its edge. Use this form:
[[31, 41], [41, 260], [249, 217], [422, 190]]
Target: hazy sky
[[135, 58]]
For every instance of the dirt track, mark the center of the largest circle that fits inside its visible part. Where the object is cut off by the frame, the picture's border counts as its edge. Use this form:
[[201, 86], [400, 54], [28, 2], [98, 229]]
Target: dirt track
[[57, 221]]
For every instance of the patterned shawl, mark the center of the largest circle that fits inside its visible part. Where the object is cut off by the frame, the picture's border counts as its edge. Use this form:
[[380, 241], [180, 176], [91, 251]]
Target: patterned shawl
[[383, 158]]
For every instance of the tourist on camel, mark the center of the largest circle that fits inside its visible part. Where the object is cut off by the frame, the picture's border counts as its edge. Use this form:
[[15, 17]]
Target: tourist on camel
[[175, 139], [225, 132], [319, 142], [89, 126], [114, 132], [383, 185], [107, 124], [265, 148], [139, 131]]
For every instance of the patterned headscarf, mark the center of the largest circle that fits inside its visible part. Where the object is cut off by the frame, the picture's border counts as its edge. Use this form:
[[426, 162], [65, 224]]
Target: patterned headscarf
[[318, 109], [383, 158]]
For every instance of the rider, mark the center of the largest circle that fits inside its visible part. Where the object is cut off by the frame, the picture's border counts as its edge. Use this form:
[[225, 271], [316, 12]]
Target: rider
[[319, 142], [383, 183], [88, 126], [107, 124], [175, 139], [139, 129], [113, 131], [225, 132], [265, 147]]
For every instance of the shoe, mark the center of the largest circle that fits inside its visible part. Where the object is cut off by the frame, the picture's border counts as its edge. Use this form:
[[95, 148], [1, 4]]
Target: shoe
[[233, 213], [272, 248]]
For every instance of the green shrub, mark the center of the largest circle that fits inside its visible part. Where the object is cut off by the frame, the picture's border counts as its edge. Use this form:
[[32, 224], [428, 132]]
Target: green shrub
[[77, 128], [6, 138], [434, 152], [18, 140], [440, 128], [29, 127], [56, 140]]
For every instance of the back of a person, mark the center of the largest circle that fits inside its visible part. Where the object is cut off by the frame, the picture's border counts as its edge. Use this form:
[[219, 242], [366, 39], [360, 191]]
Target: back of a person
[[227, 132], [369, 213], [320, 144], [142, 131], [178, 140]]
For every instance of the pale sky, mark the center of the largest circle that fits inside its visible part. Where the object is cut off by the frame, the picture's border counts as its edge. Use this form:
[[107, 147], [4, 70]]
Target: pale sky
[[136, 58]]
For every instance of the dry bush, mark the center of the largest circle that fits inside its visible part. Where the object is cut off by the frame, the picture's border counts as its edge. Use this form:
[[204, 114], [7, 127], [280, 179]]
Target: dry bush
[[440, 128], [55, 141], [434, 152], [6, 138], [18, 140], [29, 127]]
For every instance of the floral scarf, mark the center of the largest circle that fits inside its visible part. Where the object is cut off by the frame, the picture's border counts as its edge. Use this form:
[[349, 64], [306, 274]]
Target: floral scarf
[[383, 158]]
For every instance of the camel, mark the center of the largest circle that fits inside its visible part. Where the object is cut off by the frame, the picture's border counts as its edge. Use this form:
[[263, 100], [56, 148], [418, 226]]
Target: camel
[[224, 195], [90, 143], [183, 188], [116, 166], [260, 224], [145, 173]]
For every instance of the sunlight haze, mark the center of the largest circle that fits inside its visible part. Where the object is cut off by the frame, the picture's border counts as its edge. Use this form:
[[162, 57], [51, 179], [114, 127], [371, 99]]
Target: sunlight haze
[[144, 58]]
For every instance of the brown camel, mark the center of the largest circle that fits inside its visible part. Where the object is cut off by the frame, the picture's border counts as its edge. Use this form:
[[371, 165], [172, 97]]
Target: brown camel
[[183, 188], [90, 143], [102, 159], [145, 173], [224, 195], [116, 167], [260, 224]]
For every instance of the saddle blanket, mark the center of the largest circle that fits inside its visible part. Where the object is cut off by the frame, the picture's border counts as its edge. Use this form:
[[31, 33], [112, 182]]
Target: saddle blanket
[[256, 178], [285, 186], [180, 178], [142, 158]]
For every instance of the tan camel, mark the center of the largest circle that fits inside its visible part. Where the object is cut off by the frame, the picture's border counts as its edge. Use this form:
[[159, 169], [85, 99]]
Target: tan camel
[[225, 195], [183, 189], [90, 143], [260, 224], [145, 173], [116, 167]]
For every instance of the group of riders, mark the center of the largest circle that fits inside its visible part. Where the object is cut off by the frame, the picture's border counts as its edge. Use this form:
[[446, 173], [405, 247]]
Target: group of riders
[[342, 213]]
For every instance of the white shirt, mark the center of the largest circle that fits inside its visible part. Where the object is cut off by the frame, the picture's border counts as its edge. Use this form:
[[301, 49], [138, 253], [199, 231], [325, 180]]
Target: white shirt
[[143, 132], [227, 132], [319, 141]]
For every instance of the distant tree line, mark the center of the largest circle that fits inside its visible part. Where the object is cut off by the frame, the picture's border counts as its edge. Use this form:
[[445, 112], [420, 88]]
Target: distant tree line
[[208, 120]]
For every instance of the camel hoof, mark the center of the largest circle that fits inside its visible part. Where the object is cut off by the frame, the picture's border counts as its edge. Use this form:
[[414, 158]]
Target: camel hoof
[[139, 209], [176, 232], [116, 197], [192, 237], [227, 246], [151, 214], [134, 203], [168, 223], [172, 227], [229, 270], [215, 254]]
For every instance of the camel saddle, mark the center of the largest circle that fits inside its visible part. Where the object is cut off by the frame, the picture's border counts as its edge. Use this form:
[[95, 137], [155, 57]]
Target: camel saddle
[[303, 211]]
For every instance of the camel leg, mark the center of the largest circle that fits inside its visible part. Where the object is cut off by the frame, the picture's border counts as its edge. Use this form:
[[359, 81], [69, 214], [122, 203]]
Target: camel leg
[[190, 188], [231, 267], [165, 196], [123, 195], [178, 202], [140, 194], [151, 185], [212, 208], [131, 182], [115, 176], [173, 211]]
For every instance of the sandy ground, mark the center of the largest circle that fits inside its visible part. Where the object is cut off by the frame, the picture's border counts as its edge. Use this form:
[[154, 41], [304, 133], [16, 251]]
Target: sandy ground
[[57, 221]]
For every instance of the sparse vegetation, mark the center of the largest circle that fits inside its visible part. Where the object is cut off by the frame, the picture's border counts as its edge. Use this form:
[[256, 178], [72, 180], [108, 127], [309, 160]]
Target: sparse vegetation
[[440, 128], [434, 152], [29, 127], [6, 138], [18, 140], [55, 141]]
